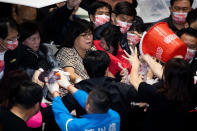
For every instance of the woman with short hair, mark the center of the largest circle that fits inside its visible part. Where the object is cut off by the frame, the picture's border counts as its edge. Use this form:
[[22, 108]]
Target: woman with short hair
[[77, 42], [31, 54]]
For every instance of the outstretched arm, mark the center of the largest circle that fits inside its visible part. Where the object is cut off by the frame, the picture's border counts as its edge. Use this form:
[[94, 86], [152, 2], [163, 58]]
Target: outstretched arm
[[135, 79], [79, 95], [156, 67]]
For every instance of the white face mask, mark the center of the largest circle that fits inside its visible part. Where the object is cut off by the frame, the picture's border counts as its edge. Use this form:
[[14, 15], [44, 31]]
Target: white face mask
[[11, 45], [124, 26], [133, 38], [190, 54], [101, 19], [179, 18]]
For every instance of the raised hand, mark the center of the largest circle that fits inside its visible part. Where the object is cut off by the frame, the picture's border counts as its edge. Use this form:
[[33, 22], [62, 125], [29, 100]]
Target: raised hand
[[156, 67], [125, 74], [135, 79], [133, 58], [35, 77], [53, 88], [64, 78]]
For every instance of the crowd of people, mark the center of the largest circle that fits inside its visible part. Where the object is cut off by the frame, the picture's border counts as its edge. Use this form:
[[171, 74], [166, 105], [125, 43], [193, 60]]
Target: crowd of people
[[96, 80]]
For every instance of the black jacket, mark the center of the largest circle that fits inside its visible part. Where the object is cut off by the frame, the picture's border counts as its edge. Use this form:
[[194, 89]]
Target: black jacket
[[194, 64], [25, 58], [97, 32], [55, 25], [169, 21]]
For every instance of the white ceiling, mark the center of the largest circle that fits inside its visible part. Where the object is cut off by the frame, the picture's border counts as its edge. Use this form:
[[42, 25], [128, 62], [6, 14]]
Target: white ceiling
[[33, 3]]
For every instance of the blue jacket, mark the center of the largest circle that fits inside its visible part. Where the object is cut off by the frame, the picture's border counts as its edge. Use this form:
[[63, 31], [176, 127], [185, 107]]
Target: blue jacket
[[109, 121]]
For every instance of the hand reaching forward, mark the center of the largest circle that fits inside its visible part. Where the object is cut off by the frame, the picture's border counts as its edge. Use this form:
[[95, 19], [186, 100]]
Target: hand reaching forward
[[64, 78], [53, 88], [133, 58], [156, 67], [125, 74], [135, 79], [35, 78]]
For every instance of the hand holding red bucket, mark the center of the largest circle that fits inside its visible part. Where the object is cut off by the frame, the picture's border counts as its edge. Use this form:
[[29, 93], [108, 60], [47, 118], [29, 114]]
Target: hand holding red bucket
[[161, 42]]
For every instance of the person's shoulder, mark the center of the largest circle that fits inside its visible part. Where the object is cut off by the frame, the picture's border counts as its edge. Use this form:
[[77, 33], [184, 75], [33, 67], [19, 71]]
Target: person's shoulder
[[88, 84], [167, 20], [11, 56], [12, 52], [138, 19], [164, 19], [149, 90], [66, 50], [24, 50], [113, 114], [119, 84], [108, 82], [11, 122], [66, 53], [144, 85]]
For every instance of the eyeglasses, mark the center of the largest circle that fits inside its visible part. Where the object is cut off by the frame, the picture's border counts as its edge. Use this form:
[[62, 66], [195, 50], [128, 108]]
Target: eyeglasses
[[184, 9], [10, 41], [86, 35]]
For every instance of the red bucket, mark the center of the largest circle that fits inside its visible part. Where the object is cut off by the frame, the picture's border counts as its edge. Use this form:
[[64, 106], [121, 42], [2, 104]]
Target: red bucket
[[161, 42]]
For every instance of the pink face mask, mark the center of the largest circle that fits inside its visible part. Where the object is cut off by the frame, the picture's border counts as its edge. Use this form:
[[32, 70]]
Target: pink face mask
[[133, 38], [101, 19], [190, 54], [124, 26], [12, 45], [179, 18]]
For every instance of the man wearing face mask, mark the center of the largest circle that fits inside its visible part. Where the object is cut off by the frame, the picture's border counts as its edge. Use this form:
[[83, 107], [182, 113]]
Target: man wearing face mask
[[179, 10], [100, 15], [123, 16], [189, 37], [8, 39], [133, 36]]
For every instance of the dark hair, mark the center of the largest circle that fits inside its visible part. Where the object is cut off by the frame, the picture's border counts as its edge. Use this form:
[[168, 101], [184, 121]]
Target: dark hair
[[134, 3], [76, 27], [188, 31], [98, 4], [112, 36], [4, 24], [178, 83], [27, 94], [191, 16], [9, 82], [172, 2], [125, 8], [96, 63], [99, 100], [138, 25], [27, 29]]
